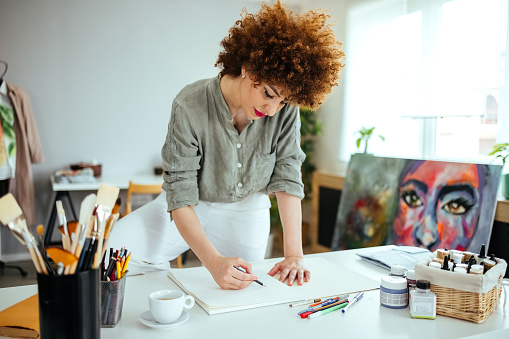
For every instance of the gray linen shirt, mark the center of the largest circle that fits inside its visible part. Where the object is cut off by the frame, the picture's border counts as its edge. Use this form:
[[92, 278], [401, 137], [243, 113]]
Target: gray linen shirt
[[205, 158]]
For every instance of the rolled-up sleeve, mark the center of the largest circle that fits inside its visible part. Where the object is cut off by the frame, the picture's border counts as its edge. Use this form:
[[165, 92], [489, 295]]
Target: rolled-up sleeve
[[287, 176], [181, 161]]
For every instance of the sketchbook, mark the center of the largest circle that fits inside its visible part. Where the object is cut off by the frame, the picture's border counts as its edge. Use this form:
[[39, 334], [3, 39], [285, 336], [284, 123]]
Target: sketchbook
[[406, 256], [327, 279]]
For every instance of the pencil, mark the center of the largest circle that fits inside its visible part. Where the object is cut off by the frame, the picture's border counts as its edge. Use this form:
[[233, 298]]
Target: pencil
[[256, 281]]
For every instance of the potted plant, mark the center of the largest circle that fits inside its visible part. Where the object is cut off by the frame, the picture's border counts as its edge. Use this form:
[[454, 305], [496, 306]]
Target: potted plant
[[501, 151], [364, 135]]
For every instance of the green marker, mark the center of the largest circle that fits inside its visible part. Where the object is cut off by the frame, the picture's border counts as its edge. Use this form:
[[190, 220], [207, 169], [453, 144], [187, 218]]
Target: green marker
[[327, 310]]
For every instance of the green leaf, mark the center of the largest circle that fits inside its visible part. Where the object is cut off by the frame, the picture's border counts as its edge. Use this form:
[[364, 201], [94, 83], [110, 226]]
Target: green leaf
[[359, 143], [11, 149], [9, 132]]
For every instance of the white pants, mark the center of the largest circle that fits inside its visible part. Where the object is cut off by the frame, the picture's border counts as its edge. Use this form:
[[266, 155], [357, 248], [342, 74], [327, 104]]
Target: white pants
[[238, 229]]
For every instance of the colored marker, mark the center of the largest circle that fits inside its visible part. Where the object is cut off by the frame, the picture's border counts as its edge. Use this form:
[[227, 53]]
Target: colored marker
[[328, 310], [323, 303], [321, 308], [355, 299], [256, 281]]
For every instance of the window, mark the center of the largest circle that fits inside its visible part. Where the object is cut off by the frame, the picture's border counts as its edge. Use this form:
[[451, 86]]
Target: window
[[429, 75]]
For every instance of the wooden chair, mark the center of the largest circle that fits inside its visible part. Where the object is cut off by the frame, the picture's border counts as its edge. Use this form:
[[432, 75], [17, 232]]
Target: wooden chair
[[134, 189]]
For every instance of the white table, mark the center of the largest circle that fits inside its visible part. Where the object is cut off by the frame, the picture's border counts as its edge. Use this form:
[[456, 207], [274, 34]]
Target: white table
[[62, 191], [367, 319]]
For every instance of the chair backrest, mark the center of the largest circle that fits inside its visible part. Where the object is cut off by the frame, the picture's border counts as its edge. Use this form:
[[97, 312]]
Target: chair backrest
[[139, 189]]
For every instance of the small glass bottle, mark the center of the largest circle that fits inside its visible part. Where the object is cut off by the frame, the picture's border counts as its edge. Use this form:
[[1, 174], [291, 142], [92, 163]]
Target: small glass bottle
[[410, 278], [423, 302]]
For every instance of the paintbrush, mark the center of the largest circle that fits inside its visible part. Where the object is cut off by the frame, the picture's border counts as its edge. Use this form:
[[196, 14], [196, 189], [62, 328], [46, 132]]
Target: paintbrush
[[85, 226], [40, 232], [12, 216], [109, 226], [62, 256], [66, 239], [106, 198]]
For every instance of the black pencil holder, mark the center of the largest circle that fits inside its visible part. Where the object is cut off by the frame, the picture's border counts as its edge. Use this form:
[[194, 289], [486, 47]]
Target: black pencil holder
[[70, 305], [112, 300]]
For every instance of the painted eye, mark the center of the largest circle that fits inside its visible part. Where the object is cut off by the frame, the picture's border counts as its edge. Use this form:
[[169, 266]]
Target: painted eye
[[458, 206], [411, 198], [268, 95]]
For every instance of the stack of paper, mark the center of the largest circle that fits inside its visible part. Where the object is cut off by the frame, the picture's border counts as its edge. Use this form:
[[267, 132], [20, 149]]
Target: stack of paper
[[328, 279]]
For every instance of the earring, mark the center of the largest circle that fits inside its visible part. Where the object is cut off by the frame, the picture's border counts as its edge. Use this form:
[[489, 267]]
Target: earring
[[243, 76]]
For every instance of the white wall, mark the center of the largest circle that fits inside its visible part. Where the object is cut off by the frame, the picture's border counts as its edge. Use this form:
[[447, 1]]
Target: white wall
[[102, 75]]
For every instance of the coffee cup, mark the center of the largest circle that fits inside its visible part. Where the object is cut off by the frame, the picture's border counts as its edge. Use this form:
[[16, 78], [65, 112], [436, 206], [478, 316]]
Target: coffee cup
[[166, 306]]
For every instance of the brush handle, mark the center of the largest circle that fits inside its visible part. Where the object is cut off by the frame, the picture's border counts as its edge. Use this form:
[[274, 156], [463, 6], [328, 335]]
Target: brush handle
[[75, 242], [66, 243], [39, 257]]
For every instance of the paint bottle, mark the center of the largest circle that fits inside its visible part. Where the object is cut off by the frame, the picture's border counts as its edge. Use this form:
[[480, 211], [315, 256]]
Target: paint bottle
[[458, 258], [434, 265], [411, 282], [460, 270], [423, 303], [477, 269], [393, 292], [446, 267], [398, 271], [462, 266], [467, 256], [482, 254]]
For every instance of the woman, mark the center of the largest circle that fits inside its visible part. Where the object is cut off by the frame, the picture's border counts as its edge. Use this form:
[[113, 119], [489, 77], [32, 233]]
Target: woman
[[232, 140]]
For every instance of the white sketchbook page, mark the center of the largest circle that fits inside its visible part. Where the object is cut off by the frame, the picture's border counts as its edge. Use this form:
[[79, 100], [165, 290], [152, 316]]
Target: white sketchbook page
[[199, 282], [327, 278]]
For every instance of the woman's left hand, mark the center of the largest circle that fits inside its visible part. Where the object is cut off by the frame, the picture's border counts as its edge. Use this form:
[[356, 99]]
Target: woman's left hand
[[291, 268]]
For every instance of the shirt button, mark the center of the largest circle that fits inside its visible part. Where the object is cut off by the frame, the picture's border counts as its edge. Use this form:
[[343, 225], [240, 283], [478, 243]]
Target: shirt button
[[239, 145], [239, 184], [239, 165]]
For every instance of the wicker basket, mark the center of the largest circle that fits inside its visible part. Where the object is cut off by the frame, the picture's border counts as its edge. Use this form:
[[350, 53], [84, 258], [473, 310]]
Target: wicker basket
[[477, 298], [465, 305]]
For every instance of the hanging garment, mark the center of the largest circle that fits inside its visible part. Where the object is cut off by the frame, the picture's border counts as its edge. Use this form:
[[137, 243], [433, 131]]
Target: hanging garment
[[29, 151], [7, 136]]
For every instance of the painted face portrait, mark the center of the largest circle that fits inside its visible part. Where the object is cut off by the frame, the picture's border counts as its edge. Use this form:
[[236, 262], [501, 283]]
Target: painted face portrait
[[439, 205]]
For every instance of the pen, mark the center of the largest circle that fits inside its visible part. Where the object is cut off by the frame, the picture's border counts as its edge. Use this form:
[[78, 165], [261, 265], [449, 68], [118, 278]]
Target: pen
[[355, 299], [304, 302], [328, 310], [256, 281]]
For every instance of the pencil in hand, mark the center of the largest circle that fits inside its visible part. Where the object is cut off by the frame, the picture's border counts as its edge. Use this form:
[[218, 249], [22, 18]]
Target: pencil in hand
[[256, 281]]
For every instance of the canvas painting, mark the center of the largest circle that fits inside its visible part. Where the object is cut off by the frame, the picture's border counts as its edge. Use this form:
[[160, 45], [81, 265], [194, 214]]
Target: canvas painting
[[424, 203]]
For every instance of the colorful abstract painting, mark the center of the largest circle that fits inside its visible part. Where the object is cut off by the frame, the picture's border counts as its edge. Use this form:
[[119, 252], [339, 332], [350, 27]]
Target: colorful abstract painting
[[430, 204]]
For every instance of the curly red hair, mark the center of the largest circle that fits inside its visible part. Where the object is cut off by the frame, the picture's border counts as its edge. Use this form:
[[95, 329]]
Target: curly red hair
[[296, 52]]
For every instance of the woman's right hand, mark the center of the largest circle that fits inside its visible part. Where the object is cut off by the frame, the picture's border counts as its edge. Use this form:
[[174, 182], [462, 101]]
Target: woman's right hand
[[227, 276]]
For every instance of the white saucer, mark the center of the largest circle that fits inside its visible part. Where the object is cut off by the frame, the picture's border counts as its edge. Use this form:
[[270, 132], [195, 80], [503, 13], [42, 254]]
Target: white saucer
[[146, 319]]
